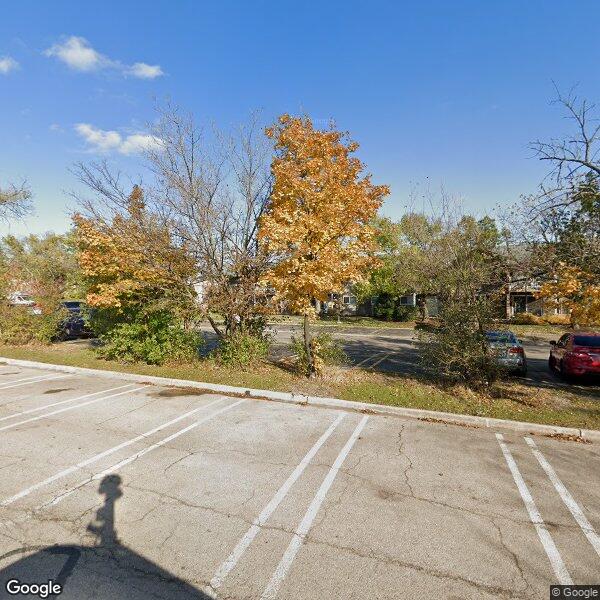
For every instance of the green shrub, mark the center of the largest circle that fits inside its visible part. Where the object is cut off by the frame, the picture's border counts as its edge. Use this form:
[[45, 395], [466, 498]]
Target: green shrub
[[328, 351], [19, 326], [154, 339], [243, 348], [385, 307], [389, 308], [406, 313], [457, 350]]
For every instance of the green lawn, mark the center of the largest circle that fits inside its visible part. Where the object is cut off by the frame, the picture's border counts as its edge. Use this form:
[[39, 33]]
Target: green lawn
[[507, 400]]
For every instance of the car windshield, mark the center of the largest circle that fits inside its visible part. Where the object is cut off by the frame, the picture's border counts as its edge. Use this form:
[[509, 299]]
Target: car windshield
[[500, 337], [589, 341], [72, 305]]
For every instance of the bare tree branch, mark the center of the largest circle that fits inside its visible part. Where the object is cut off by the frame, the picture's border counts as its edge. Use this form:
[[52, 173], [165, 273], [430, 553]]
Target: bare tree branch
[[15, 201]]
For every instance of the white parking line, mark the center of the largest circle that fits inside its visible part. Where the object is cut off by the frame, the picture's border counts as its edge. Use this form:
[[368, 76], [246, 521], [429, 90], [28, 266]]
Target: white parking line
[[38, 376], [372, 366], [30, 380], [241, 547], [301, 532], [99, 456], [552, 552], [62, 410], [39, 408], [566, 497], [139, 454], [362, 362]]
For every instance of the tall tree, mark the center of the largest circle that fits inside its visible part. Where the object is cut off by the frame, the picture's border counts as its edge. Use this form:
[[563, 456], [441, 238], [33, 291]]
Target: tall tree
[[563, 219], [208, 190], [569, 252], [317, 227], [131, 263]]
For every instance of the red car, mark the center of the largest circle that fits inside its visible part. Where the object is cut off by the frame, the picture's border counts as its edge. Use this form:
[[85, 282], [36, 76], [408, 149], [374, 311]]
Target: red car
[[576, 354]]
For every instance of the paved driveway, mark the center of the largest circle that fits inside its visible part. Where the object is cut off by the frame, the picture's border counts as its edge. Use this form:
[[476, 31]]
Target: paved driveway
[[117, 490]]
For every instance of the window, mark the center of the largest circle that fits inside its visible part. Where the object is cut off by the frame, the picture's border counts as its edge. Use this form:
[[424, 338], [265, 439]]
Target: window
[[350, 300], [589, 341]]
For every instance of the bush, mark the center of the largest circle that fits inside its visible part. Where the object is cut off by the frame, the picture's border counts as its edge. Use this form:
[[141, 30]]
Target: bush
[[389, 308], [19, 326], [406, 313], [153, 339], [326, 350], [526, 319], [385, 307], [457, 350], [243, 348], [531, 319]]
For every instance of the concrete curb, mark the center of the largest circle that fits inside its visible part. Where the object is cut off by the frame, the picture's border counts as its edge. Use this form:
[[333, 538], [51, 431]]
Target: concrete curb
[[322, 402]]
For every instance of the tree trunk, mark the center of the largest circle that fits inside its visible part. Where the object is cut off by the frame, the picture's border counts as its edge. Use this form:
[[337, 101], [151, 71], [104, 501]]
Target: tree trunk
[[423, 310], [507, 314], [215, 327], [318, 307], [309, 356]]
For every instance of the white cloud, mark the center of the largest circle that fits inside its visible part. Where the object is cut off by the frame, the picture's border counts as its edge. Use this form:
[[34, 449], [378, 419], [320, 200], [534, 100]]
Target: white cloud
[[139, 142], [77, 53], [103, 141], [144, 71], [7, 64], [98, 139]]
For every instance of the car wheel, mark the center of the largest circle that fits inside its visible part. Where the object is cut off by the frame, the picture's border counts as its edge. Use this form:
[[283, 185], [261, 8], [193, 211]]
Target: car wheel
[[564, 374]]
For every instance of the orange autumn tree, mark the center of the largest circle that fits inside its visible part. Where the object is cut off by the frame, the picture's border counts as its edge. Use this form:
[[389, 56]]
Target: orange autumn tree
[[576, 289], [130, 262], [317, 224]]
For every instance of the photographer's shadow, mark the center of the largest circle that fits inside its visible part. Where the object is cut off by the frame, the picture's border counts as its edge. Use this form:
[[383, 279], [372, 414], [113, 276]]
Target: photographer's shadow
[[106, 570]]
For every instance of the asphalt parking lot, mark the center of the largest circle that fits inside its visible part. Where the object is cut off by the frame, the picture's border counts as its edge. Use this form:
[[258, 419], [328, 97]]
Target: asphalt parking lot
[[117, 490]]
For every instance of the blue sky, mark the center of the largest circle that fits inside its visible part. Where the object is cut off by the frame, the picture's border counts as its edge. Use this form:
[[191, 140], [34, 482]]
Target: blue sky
[[437, 93]]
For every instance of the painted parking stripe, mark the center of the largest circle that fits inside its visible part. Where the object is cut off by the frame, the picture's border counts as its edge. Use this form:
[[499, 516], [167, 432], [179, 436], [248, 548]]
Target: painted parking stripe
[[535, 517], [569, 501], [141, 453], [31, 380], [38, 376], [97, 457], [23, 378], [372, 366], [301, 532], [62, 410], [362, 362], [39, 408], [241, 547]]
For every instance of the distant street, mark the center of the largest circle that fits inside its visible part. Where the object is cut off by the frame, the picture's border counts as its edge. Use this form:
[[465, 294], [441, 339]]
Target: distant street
[[396, 351]]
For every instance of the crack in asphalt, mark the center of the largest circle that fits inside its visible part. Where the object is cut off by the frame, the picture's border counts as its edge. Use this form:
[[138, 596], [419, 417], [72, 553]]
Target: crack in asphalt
[[391, 561]]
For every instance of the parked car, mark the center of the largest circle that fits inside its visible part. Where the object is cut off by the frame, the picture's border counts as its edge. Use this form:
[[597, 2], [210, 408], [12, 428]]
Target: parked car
[[26, 300], [508, 351], [74, 325], [576, 354]]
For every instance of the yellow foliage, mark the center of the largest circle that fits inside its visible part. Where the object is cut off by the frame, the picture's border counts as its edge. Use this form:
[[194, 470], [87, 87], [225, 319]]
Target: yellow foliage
[[317, 226], [578, 290], [131, 258]]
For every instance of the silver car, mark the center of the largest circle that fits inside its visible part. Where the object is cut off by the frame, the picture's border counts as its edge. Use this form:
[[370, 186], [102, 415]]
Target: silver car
[[508, 351]]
